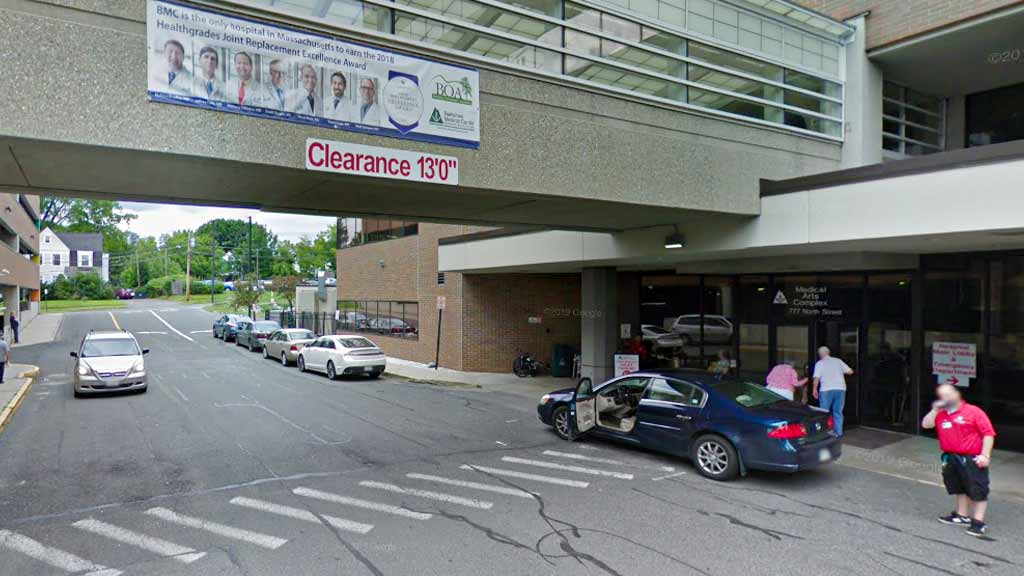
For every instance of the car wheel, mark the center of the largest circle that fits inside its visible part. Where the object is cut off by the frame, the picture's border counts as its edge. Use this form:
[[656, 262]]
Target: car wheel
[[331, 373], [284, 359], [302, 364], [374, 375], [251, 349], [715, 458], [266, 355], [143, 389], [560, 422], [77, 394]]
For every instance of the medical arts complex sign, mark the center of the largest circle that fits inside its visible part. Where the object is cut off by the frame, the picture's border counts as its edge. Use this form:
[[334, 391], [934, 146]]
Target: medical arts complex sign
[[210, 60]]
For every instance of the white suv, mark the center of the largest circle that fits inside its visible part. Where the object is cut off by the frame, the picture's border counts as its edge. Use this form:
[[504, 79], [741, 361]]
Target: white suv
[[109, 362]]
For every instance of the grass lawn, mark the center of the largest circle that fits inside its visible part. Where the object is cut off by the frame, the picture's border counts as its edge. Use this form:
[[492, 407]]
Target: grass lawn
[[78, 305]]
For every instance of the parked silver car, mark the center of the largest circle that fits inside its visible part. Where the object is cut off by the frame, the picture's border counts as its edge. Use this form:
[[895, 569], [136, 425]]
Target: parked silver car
[[285, 344], [716, 329], [253, 334], [660, 340], [109, 361]]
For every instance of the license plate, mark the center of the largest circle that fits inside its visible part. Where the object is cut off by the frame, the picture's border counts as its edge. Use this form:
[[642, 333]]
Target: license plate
[[824, 455]]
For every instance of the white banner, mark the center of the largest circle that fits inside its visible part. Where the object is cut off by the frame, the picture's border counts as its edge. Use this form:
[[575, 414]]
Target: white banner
[[211, 60], [377, 162]]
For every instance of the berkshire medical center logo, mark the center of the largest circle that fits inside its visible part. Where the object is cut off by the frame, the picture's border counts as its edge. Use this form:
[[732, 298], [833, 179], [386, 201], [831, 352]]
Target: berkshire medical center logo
[[457, 91]]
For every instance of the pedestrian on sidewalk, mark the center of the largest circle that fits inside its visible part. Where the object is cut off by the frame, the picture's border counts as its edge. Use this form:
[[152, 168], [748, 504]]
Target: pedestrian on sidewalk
[[966, 438], [5, 355], [830, 386], [783, 380], [721, 367], [14, 326]]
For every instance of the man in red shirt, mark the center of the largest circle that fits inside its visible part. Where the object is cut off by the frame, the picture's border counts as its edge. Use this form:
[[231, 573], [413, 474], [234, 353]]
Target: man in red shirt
[[966, 438]]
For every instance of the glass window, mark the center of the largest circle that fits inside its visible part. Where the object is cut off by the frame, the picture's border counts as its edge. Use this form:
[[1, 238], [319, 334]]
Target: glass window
[[666, 391], [734, 61], [1000, 393], [672, 302], [886, 397], [747, 394], [384, 317], [754, 309], [995, 116]]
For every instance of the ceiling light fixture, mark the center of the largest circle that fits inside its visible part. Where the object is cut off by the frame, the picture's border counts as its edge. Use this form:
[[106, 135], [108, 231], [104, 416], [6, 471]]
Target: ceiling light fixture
[[675, 240]]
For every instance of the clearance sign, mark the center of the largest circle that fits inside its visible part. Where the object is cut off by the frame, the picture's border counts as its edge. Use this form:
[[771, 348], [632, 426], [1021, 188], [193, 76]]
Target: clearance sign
[[376, 162]]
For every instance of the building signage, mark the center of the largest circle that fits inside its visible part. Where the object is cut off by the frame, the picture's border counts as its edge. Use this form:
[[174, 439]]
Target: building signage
[[807, 301], [211, 60], [626, 364], [954, 362], [377, 162], [441, 302]]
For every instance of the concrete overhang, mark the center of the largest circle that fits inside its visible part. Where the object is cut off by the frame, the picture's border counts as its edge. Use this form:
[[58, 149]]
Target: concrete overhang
[[974, 56]]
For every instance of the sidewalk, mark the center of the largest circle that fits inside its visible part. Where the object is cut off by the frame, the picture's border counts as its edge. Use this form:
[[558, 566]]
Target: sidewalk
[[530, 387], [17, 381], [42, 329]]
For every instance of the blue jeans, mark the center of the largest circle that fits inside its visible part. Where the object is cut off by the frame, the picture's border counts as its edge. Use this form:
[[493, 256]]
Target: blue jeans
[[833, 401]]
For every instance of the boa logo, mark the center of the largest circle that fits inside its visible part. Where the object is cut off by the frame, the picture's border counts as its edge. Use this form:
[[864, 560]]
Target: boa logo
[[457, 91]]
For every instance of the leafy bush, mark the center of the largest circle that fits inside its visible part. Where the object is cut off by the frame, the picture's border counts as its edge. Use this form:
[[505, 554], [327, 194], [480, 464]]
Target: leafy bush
[[85, 286], [164, 286]]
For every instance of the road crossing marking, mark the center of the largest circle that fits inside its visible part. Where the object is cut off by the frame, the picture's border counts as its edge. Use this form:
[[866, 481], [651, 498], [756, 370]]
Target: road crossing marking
[[586, 458], [261, 540], [200, 331], [439, 496], [526, 476], [152, 332], [300, 514], [173, 329], [114, 319], [52, 556], [660, 478], [367, 504], [473, 485], [567, 468], [152, 544]]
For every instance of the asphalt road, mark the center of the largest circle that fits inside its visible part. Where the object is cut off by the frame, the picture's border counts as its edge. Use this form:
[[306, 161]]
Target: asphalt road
[[231, 464]]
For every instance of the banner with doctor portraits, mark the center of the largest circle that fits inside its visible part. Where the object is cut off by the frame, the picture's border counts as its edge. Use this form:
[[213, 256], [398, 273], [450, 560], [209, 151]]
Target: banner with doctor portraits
[[207, 59]]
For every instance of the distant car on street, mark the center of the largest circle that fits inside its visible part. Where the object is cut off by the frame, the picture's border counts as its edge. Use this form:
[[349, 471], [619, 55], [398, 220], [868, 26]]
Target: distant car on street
[[661, 341], [124, 294], [109, 361], [225, 326], [229, 285], [253, 334], [342, 355], [725, 426], [285, 344], [717, 329]]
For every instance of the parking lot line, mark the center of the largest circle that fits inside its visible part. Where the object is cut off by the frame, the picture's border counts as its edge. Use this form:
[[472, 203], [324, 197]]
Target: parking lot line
[[427, 494], [473, 485], [173, 329], [567, 468], [152, 544], [526, 476], [114, 320], [52, 556], [300, 514], [611, 461], [261, 540], [358, 503]]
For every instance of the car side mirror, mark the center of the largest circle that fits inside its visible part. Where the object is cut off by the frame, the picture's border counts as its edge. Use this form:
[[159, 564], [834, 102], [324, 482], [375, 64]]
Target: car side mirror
[[74, 354], [145, 350]]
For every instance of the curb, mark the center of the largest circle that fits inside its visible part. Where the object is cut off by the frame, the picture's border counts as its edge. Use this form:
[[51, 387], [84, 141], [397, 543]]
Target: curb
[[12, 406]]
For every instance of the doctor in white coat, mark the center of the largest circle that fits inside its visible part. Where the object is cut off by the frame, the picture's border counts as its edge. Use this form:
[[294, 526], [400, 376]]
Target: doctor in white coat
[[368, 113], [336, 105], [242, 88], [306, 100], [207, 85], [172, 77], [277, 90]]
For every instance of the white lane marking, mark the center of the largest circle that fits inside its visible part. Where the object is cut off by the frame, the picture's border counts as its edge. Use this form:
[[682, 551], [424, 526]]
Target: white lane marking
[[367, 504], [152, 332], [611, 461], [668, 476], [173, 329], [300, 514], [200, 331], [473, 485], [180, 393], [261, 540], [52, 556], [557, 466], [152, 544], [510, 421], [526, 476], [114, 320], [502, 443], [439, 496]]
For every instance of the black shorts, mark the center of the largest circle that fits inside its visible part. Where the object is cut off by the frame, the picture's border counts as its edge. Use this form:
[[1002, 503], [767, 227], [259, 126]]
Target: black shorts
[[962, 476]]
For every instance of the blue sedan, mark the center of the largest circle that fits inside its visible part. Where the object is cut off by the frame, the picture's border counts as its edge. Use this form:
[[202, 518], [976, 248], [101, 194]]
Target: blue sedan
[[725, 426]]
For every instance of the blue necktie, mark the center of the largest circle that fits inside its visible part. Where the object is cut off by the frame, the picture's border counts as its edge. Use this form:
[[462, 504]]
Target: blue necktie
[[280, 97], [363, 110], [170, 78], [209, 89], [336, 101]]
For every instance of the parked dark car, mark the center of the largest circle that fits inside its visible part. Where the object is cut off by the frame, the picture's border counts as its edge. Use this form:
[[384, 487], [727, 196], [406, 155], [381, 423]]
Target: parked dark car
[[226, 326], [124, 294], [725, 426], [253, 334]]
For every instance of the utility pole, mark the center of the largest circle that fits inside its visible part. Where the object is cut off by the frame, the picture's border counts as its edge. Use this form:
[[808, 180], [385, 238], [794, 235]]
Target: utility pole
[[213, 266], [138, 268], [165, 259], [248, 262], [188, 269]]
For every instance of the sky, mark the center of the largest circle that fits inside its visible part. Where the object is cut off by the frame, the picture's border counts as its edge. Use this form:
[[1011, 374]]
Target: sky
[[157, 219]]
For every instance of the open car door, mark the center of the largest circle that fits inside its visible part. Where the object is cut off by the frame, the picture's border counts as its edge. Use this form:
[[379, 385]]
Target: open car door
[[584, 407]]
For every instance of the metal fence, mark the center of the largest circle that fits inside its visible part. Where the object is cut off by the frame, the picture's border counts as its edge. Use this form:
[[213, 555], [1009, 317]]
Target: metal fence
[[320, 324]]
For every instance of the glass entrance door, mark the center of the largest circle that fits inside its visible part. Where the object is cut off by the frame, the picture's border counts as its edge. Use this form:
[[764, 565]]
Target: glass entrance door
[[843, 340]]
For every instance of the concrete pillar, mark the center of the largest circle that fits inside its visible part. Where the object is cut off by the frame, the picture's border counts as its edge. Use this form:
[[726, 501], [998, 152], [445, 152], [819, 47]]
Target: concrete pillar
[[863, 131], [599, 337]]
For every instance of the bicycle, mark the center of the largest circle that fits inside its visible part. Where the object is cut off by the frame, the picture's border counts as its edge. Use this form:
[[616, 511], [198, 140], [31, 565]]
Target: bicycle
[[526, 365]]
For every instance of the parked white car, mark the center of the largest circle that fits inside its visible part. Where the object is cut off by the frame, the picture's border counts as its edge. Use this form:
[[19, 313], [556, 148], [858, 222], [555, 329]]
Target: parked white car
[[717, 329], [344, 354], [661, 341]]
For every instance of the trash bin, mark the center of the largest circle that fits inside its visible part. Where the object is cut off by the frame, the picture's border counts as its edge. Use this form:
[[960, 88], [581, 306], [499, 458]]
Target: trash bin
[[561, 360]]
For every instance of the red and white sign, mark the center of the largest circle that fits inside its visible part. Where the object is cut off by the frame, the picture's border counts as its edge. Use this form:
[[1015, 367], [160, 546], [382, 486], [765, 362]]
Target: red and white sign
[[377, 162], [441, 301], [955, 359], [626, 364]]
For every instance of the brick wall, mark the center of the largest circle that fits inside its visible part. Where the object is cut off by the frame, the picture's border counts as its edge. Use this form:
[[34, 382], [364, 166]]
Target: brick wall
[[894, 20]]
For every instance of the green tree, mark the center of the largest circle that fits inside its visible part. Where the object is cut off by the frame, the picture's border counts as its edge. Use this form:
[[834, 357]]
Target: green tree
[[233, 236], [82, 215], [284, 259], [318, 253], [284, 286], [144, 262], [247, 293]]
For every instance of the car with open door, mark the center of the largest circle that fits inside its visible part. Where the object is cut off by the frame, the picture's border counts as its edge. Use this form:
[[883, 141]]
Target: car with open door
[[726, 427]]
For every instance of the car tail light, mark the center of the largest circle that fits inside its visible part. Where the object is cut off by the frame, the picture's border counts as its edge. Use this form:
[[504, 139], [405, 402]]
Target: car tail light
[[831, 423], [788, 431], [396, 330], [293, 348]]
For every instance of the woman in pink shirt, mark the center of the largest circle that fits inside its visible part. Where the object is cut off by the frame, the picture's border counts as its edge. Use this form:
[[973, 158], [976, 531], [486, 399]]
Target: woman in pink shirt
[[783, 380]]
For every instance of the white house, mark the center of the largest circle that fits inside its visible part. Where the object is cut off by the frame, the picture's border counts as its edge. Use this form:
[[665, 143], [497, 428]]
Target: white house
[[66, 253]]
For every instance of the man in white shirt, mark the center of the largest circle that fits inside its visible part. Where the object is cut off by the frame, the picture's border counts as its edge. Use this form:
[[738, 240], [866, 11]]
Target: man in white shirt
[[306, 100], [830, 385], [243, 89], [173, 77], [368, 112], [277, 91], [207, 84], [336, 105]]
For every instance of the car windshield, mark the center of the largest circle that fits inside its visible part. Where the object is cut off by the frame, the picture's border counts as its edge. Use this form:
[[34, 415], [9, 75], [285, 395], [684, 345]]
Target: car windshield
[[747, 394], [303, 335], [265, 326], [356, 343], [109, 347]]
